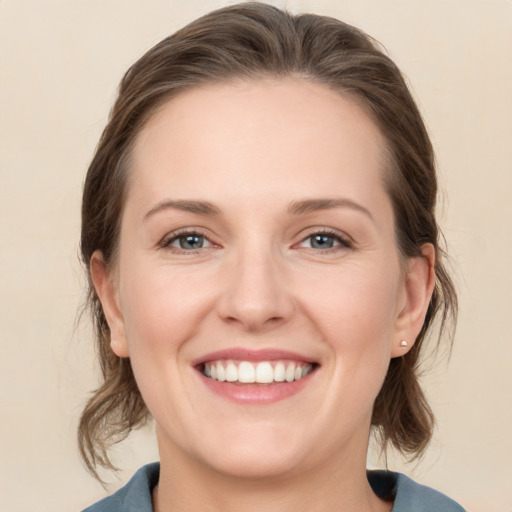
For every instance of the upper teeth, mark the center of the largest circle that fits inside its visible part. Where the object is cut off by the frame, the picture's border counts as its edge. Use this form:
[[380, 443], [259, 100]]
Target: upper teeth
[[263, 372]]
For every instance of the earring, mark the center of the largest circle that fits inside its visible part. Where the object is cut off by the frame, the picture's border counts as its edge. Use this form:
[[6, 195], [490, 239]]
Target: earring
[[404, 344]]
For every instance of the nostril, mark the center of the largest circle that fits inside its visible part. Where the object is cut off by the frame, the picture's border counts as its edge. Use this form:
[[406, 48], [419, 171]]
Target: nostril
[[255, 307]]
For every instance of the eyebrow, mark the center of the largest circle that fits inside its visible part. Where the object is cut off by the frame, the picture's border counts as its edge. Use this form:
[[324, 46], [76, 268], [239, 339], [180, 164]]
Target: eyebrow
[[198, 207], [294, 208], [312, 205]]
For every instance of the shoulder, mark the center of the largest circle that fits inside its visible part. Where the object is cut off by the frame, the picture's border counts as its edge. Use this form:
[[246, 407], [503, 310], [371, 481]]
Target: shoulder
[[408, 495], [135, 496]]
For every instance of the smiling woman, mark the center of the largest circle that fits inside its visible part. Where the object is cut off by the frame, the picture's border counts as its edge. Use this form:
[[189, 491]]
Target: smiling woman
[[259, 233]]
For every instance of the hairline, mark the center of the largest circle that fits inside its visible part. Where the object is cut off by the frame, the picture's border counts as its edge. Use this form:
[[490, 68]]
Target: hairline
[[125, 162]]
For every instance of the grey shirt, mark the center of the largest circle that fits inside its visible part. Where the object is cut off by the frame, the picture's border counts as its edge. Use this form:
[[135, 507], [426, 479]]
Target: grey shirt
[[408, 496]]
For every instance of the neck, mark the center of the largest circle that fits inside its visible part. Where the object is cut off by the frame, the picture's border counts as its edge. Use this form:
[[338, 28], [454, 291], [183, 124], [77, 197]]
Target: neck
[[187, 485]]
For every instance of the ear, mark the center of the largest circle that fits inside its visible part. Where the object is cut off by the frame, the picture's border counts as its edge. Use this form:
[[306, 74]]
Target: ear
[[419, 285], [106, 288]]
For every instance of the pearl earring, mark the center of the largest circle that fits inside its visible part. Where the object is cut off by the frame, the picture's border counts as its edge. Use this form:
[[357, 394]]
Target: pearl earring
[[404, 344]]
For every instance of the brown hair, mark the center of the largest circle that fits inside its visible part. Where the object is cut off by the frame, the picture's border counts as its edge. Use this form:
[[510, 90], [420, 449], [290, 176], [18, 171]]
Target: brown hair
[[251, 41]]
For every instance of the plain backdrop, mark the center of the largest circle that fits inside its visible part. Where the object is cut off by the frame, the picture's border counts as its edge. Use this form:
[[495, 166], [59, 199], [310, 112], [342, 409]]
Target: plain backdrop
[[60, 63]]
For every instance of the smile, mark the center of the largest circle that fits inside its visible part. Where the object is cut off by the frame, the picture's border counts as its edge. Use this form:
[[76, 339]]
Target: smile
[[255, 377], [262, 372]]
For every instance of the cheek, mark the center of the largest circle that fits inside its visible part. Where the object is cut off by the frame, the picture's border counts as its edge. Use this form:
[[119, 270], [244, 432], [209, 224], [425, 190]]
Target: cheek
[[356, 302], [355, 312], [162, 308], [162, 313]]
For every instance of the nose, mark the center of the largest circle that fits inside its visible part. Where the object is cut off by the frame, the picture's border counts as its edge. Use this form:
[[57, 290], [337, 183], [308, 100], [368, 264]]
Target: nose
[[256, 295]]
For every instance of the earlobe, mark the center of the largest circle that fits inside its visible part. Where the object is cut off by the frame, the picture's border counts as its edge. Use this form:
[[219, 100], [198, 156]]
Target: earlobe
[[419, 286], [105, 286]]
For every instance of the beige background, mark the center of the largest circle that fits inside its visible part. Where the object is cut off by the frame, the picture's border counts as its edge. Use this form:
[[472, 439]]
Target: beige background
[[60, 63]]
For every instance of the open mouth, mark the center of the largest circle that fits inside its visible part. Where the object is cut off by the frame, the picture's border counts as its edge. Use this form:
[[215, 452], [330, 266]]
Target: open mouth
[[260, 372], [255, 377]]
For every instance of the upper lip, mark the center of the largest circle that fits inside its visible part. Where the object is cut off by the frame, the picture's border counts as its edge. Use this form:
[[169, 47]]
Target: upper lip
[[242, 354]]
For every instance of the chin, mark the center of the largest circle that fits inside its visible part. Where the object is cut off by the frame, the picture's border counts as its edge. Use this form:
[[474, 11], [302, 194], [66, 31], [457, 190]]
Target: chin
[[251, 454], [254, 464]]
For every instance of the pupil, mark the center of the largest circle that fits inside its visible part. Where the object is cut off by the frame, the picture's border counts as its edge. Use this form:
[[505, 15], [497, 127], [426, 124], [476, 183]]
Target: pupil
[[191, 242], [322, 241]]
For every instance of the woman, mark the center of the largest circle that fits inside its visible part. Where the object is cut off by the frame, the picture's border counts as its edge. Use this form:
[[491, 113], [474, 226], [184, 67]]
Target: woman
[[264, 265]]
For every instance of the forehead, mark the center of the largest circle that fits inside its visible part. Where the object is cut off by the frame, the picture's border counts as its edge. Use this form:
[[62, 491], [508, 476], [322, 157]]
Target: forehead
[[260, 136]]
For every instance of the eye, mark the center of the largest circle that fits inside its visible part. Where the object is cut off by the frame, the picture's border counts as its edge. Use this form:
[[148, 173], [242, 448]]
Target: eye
[[187, 241], [324, 241]]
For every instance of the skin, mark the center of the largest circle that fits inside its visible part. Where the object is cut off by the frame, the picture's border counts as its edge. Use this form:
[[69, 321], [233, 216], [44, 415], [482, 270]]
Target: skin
[[251, 149]]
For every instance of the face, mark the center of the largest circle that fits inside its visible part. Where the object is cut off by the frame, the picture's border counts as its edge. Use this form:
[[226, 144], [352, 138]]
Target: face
[[259, 292]]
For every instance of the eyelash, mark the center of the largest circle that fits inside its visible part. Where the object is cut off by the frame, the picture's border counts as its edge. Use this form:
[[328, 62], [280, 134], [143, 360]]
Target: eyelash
[[342, 242], [173, 237]]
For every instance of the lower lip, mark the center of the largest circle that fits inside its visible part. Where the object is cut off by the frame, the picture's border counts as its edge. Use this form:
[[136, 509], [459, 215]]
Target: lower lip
[[256, 393]]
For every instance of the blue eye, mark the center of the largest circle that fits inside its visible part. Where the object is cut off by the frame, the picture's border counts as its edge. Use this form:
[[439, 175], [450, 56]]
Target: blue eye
[[188, 242], [319, 241], [324, 241]]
